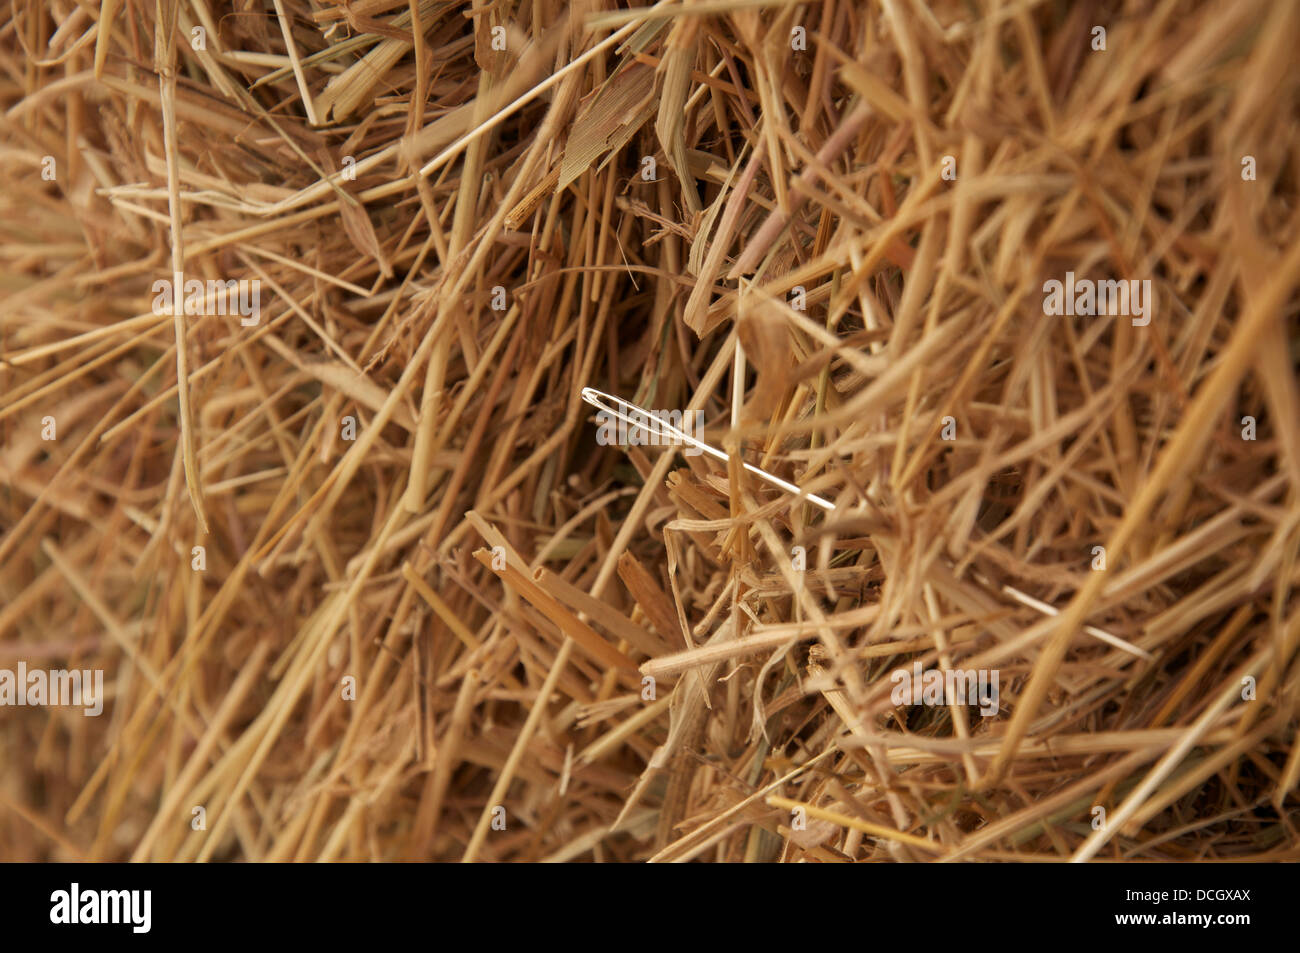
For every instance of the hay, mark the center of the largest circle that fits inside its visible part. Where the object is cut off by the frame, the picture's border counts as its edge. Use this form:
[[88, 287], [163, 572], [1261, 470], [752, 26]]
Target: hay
[[433, 618]]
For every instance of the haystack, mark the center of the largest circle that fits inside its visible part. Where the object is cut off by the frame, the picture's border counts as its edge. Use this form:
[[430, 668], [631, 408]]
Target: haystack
[[299, 303]]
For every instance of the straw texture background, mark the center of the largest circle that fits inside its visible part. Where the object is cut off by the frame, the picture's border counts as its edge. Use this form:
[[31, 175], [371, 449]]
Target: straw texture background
[[427, 600]]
